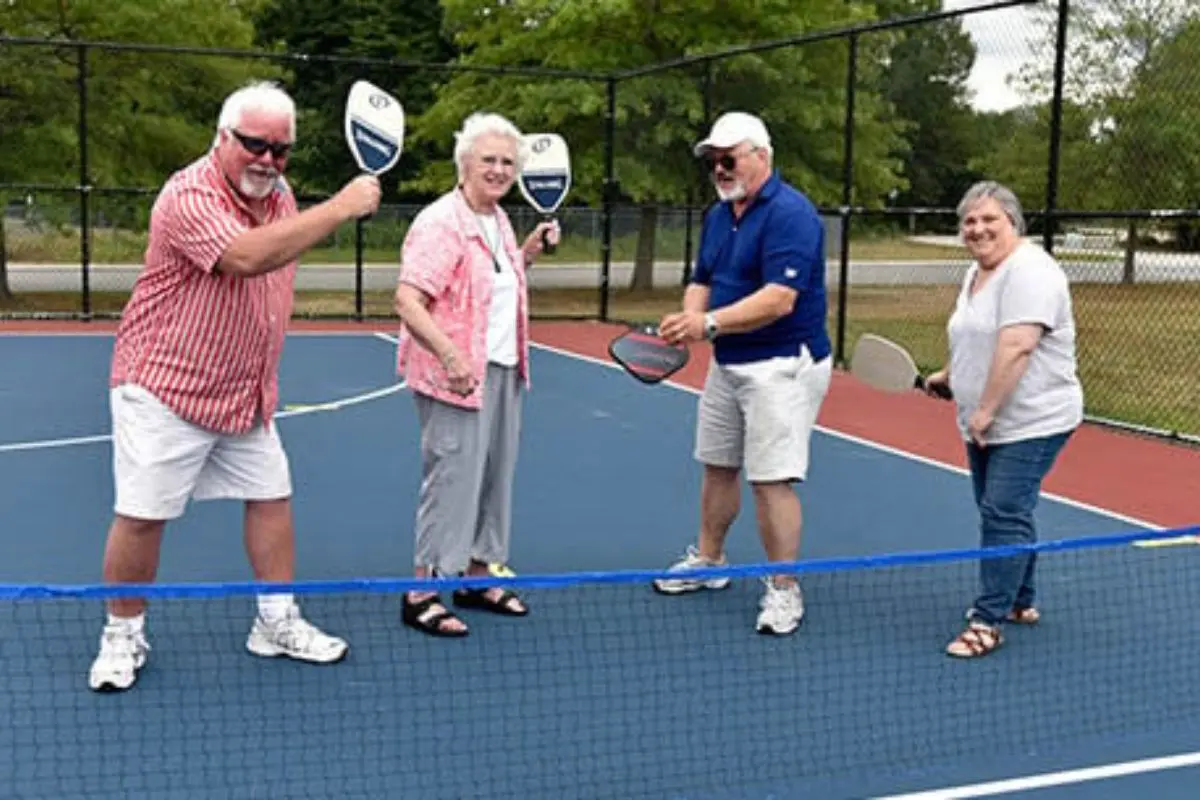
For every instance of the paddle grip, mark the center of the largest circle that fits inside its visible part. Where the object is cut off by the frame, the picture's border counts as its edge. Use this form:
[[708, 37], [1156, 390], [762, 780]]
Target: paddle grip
[[938, 389], [548, 247]]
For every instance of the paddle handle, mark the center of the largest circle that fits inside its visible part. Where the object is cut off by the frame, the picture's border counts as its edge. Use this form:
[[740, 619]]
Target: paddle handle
[[548, 247], [938, 389]]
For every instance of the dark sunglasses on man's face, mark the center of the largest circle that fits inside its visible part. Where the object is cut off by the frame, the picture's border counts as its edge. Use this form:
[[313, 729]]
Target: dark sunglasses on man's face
[[726, 162], [256, 146]]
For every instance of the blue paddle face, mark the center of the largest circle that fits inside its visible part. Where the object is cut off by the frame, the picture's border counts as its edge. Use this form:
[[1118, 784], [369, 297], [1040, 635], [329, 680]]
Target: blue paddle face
[[645, 356], [374, 151], [545, 177], [374, 127], [545, 190]]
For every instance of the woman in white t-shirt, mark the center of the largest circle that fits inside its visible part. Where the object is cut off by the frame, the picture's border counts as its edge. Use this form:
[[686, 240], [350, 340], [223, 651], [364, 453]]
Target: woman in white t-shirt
[[1013, 374]]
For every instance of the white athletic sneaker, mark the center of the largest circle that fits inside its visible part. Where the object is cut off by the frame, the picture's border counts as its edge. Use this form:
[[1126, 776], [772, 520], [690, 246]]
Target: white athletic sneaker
[[782, 609], [122, 654], [691, 560], [294, 637]]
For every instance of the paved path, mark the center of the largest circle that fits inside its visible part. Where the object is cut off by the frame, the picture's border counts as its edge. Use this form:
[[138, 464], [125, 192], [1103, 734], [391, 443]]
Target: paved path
[[1151, 267]]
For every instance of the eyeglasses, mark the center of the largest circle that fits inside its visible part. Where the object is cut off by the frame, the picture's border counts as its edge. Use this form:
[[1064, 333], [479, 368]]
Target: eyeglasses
[[727, 162], [256, 146]]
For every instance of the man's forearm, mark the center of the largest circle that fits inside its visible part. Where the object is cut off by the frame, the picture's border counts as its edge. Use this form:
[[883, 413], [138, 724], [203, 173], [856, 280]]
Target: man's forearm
[[695, 297], [270, 247], [755, 311]]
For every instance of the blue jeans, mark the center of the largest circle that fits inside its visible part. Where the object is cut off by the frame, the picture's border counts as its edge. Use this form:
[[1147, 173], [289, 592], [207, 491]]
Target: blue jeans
[[1007, 479]]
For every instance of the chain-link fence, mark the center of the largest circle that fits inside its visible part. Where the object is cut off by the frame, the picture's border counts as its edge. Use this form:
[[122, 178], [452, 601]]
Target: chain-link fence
[[1093, 127]]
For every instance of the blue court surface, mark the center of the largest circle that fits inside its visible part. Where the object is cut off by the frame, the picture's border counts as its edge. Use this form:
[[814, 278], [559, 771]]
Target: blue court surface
[[606, 689]]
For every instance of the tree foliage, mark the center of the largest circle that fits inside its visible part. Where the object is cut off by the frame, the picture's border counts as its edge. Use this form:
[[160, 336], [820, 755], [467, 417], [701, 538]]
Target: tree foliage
[[799, 91], [147, 113], [925, 79], [368, 29]]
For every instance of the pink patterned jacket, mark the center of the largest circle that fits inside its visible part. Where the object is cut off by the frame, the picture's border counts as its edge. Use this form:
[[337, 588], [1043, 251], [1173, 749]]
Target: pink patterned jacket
[[445, 256]]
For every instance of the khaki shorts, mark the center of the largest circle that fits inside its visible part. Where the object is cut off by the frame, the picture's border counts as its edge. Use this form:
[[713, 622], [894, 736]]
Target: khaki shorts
[[759, 416], [160, 460]]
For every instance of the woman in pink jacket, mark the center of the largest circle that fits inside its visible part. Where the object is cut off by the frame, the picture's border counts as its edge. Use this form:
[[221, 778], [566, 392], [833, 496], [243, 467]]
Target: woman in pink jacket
[[464, 351]]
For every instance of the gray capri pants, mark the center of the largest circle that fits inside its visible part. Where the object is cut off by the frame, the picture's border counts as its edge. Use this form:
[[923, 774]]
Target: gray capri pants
[[468, 457]]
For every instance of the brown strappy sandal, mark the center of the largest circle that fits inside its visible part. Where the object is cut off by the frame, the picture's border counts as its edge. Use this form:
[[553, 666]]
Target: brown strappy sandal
[[977, 639]]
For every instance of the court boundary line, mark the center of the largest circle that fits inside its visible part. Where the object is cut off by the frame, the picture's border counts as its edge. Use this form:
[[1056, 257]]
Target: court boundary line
[[301, 410], [849, 437], [315, 408], [1048, 779]]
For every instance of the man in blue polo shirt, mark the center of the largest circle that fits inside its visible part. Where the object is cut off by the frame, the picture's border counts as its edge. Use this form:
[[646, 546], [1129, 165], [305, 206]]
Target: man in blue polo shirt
[[758, 294]]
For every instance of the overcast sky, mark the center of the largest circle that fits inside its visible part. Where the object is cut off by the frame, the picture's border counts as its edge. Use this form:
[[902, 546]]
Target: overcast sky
[[1002, 40]]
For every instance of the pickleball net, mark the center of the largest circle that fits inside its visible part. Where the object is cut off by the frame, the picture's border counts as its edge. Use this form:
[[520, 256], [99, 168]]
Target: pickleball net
[[608, 690]]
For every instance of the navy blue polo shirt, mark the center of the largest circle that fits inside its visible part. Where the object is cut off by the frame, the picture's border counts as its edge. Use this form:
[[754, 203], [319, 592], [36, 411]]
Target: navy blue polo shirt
[[779, 239]]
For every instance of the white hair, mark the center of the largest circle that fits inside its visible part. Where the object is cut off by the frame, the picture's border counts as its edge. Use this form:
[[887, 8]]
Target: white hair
[[1004, 197], [484, 124], [265, 96]]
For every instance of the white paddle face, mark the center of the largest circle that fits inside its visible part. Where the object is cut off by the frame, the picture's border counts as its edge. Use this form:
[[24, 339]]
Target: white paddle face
[[883, 364], [374, 127], [546, 177]]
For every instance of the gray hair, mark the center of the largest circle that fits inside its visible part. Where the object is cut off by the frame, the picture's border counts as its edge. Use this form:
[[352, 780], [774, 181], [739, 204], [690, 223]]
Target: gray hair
[[1003, 196], [264, 96], [484, 124]]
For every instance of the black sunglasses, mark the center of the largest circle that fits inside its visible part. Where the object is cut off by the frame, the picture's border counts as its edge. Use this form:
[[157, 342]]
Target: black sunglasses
[[726, 162], [256, 146]]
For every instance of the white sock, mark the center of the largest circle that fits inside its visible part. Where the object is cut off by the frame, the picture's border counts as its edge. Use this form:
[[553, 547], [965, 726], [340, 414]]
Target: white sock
[[274, 607], [131, 624]]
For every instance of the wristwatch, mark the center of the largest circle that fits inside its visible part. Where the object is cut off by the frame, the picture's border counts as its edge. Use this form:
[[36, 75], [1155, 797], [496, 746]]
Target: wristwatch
[[710, 326]]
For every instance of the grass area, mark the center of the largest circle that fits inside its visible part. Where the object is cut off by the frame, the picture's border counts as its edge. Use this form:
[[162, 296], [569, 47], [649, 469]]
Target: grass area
[[110, 246], [1139, 345], [382, 246]]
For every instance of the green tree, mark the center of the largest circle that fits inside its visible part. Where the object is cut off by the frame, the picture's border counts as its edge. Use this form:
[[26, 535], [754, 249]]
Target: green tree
[[1111, 47], [799, 91], [925, 79], [1155, 138], [148, 113], [368, 29]]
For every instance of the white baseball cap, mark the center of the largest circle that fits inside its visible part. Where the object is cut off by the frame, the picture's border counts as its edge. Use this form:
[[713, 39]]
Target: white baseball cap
[[733, 128]]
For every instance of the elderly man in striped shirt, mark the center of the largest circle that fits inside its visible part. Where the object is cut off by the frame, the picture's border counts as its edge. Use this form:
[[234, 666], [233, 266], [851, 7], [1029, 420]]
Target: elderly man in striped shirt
[[194, 380]]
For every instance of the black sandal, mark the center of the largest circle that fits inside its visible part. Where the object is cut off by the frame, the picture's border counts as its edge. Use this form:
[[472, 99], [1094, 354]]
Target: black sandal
[[505, 604], [418, 615]]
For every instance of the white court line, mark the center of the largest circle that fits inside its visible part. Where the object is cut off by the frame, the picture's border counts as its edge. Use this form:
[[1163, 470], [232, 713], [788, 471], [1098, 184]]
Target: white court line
[[332, 405], [1048, 779], [1067, 501]]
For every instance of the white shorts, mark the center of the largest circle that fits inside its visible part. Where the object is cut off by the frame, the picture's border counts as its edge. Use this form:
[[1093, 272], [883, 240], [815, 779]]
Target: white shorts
[[160, 460], [759, 416]]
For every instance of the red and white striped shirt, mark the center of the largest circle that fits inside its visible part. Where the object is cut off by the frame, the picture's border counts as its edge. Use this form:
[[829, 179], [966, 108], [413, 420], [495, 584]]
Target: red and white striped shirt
[[207, 344]]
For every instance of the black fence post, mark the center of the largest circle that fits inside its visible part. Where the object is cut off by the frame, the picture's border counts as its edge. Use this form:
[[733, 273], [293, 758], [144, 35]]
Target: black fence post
[[1056, 112], [706, 95], [610, 191], [358, 269], [85, 186], [847, 197]]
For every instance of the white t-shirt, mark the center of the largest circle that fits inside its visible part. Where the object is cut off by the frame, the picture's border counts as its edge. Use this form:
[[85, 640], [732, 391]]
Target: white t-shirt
[[1028, 287], [502, 319]]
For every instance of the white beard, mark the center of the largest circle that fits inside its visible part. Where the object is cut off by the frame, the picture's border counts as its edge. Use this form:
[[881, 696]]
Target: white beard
[[736, 193], [257, 186]]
